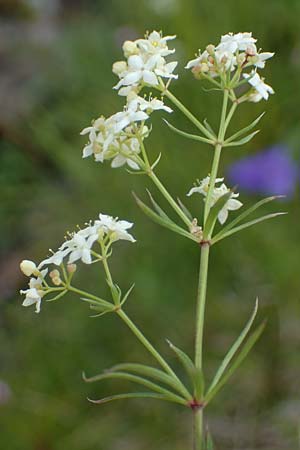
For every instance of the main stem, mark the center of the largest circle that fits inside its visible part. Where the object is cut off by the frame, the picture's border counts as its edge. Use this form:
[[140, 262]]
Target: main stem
[[203, 271]]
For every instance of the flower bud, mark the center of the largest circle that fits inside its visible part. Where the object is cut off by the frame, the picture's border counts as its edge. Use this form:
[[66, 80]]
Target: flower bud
[[119, 67], [56, 281], [28, 267], [210, 49], [55, 277], [129, 48], [71, 268]]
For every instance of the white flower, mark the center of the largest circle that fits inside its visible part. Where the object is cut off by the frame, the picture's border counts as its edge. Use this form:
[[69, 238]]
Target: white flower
[[129, 115], [127, 149], [153, 104], [262, 89], [232, 42], [34, 294], [203, 186], [231, 205], [116, 229], [156, 44], [28, 267], [79, 246], [139, 70]]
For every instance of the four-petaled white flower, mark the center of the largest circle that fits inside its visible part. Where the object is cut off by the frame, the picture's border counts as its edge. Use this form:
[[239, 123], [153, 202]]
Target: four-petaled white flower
[[231, 205], [236, 42], [156, 44], [33, 295], [262, 89], [116, 229]]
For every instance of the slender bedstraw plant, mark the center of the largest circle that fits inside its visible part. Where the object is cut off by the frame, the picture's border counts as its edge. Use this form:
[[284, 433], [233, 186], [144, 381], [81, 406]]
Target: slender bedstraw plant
[[232, 67]]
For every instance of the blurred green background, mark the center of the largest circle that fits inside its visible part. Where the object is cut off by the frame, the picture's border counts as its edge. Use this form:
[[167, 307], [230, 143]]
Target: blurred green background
[[56, 59]]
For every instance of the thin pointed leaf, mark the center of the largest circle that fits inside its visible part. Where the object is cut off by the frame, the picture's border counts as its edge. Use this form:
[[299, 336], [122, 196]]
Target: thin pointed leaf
[[127, 294], [246, 213], [239, 359], [195, 375], [213, 213], [246, 225], [233, 350], [194, 137], [127, 396], [94, 316], [242, 141], [139, 380], [61, 294], [162, 221], [157, 207], [209, 128], [99, 302], [156, 162], [244, 130], [154, 373], [185, 360], [184, 209], [136, 172]]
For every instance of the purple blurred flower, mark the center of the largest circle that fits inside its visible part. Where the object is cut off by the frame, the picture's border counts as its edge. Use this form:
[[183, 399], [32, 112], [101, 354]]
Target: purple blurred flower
[[270, 172]]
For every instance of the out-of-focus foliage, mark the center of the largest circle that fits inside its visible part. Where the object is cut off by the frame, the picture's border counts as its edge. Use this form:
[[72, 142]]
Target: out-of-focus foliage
[[56, 78]]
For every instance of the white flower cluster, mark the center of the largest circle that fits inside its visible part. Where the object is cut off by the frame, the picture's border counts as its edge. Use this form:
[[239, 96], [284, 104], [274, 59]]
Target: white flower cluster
[[231, 205], [235, 51], [77, 247], [145, 63], [118, 137]]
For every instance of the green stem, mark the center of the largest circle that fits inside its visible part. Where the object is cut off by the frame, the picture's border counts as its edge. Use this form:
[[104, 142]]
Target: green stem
[[200, 311], [187, 113], [217, 154], [86, 294], [169, 198], [198, 428]]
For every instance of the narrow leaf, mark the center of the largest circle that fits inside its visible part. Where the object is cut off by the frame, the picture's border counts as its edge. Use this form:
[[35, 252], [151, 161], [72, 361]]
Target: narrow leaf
[[239, 359], [129, 395], [162, 221], [61, 294], [156, 162], [233, 350], [242, 141], [157, 207], [246, 225], [246, 213], [139, 380], [244, 130], [127, 294], [184, 209], [209, 128], [100, 303], [194, 137], [154, 373]]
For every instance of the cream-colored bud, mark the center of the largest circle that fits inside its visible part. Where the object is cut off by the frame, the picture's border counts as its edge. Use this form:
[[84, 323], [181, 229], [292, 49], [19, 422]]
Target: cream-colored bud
[[119, 67], [130, 48], [54, 274], [28, 267], [71, 268], [56, 281], [196, 230], [210, 49]]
